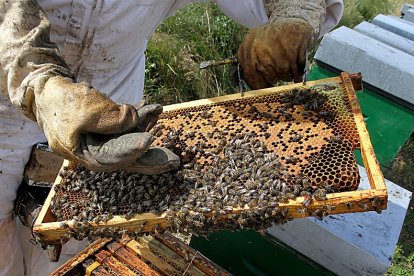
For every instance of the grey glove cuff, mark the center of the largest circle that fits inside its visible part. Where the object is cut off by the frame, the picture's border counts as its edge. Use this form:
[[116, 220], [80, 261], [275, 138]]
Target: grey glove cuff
[[312, 11]]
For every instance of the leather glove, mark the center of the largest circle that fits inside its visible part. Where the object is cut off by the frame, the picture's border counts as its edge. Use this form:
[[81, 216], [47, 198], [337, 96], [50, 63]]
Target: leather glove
[[276, 51], [83, 125]]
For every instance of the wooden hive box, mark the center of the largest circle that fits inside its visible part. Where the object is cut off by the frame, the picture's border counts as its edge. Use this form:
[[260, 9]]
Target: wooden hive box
[[147, 255], [51, 231]]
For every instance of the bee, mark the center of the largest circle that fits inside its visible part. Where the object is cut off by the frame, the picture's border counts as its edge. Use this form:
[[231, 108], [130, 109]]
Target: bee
[[282, 110], [307, 113], [217, 150], [129, 215], [266, 135], [301, 211], [291, 160], [212, 123], [312, 105], [172, 135], [296, 190], [76, 189], [97, 219], [191, 134], [252, 109], [318, 214], [105, 200], [158, 133], [329, 188], [336, 139], [349, 205], [205, 209], [363, 206], [306, 200], [228, 208], [296, 138], [326, 114], [376, 202], [320, 194], [206, 114], [329, 207], [63, 224], [267, 115]]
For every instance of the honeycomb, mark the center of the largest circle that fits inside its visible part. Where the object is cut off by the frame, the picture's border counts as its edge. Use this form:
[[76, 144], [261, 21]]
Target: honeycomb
[[306, 134], [288, 128]]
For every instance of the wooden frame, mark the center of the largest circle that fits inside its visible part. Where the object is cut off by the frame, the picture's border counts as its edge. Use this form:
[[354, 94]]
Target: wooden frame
[[43, 166], [49, 231]]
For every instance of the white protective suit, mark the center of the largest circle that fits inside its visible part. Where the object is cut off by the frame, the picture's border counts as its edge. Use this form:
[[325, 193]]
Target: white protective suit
[[103, 43]]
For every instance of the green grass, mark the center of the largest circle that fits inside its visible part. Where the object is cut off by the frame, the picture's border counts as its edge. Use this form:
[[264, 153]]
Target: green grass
[[201, 32], [403, 264], [357, 11], [402, 173]]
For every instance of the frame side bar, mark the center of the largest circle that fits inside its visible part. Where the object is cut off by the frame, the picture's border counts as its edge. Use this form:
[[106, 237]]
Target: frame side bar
[[375, 176]]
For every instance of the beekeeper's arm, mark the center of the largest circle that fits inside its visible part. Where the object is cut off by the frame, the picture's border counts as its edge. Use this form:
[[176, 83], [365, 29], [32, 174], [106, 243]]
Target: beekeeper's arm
[[80, 123], [277, 50]]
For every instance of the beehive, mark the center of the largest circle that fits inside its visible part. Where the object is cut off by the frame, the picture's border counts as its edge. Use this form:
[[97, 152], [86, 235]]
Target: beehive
[[146, 255], [312, 139]]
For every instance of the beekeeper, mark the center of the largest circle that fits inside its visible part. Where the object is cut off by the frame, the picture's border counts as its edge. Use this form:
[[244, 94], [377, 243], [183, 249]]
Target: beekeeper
[[71, 72]]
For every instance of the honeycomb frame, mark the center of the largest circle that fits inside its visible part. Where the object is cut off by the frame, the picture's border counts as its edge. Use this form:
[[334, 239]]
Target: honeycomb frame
[[50, 231]]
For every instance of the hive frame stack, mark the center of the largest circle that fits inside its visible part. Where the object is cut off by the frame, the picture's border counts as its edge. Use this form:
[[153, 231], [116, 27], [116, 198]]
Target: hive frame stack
[[148, 255]]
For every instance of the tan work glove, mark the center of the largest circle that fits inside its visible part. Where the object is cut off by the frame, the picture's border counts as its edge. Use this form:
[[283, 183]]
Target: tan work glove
[[276, 51], [82, 124]]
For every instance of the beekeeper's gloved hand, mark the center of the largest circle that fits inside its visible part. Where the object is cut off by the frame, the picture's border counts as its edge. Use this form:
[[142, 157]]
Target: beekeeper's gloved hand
[[82, 124], [277, 50]]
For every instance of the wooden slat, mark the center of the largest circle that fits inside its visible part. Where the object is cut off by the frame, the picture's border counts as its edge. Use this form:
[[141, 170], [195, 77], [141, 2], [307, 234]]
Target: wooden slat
[[104, 257], [339, 200], [189, 253], [146, 254], [53, 231], [100, 271], [43, 166], [376, 179], [42, 218], [248, 94], [130, 259], [93, 268], [80, 257], [171, 256]]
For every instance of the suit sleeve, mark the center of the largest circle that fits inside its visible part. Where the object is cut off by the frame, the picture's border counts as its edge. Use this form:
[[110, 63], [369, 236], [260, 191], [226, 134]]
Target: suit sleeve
[[27, 57], [322, 15]]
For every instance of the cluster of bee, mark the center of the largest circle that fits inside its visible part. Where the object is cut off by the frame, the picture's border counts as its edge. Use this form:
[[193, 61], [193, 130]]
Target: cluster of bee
[[310, 101], [240, 186], [103, 194], [240, 189], [84, 229]]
